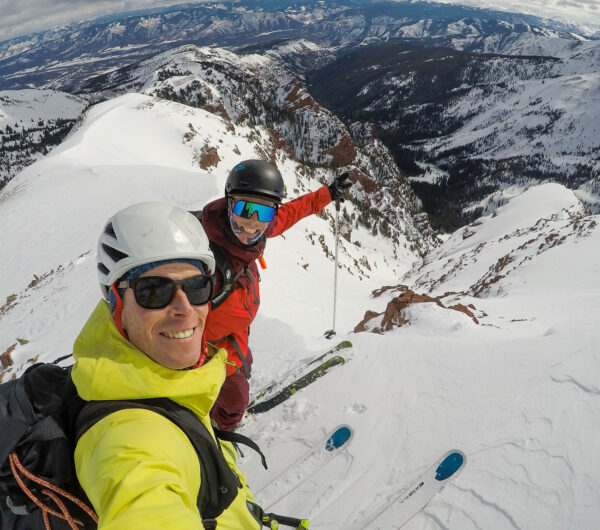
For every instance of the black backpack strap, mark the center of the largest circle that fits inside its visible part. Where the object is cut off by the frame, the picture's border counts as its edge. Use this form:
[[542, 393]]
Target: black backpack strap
[[237, 438], [223, 263], [238, 349], [219, 483], [241, 355]]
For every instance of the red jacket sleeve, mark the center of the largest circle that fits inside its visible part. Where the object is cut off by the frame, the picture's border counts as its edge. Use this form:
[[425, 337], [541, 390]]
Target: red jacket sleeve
[[292, 212]]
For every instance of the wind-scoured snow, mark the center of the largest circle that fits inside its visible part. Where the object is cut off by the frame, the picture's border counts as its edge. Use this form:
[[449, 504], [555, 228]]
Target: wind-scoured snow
[[518, 391]]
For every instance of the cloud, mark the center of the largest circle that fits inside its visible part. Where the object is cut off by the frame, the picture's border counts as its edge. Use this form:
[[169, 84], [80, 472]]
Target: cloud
[[581, 11], [581, 4], [19, 17]]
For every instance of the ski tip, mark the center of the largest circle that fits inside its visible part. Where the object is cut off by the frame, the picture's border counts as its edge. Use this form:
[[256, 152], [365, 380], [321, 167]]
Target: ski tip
[[342, 345], [451, 463], [339, 437]]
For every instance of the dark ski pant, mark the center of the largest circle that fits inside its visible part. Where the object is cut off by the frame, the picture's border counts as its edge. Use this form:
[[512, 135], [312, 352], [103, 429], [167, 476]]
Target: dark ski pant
[[233, 399]]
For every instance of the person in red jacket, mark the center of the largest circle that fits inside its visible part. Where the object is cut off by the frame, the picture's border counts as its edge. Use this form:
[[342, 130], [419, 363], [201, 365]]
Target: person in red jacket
[[238, 226]]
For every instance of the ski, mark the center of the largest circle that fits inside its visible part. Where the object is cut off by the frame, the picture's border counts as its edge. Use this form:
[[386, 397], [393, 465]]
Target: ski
[[303, 467], [282, 394], [403, 507], [286, 392], [296, 372]]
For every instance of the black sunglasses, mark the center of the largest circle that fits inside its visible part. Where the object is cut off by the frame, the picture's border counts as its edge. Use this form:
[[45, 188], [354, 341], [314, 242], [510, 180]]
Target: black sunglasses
[[156, 292]]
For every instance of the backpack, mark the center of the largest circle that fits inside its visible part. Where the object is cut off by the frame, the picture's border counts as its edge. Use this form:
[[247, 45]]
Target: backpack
[[41, 419]]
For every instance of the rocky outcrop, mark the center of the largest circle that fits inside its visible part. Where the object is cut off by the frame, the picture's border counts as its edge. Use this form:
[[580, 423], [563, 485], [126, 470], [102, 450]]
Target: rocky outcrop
[[395, 315]]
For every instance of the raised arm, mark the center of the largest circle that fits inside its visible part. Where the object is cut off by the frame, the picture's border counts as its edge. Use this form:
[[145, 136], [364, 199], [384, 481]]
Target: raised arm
[[292, 212]]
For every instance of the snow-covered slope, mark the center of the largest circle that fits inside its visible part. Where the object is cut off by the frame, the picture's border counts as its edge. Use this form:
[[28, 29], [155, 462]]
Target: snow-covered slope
[[514, 384], [32, 122], [135, 148], [512, 102], [466, 126], [249, 90], [28, 105], [549, 125], [517, 391]]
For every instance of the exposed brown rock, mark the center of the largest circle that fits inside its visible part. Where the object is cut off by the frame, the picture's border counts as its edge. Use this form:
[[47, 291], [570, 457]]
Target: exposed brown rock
[[395, 316], [344, 153], [5, 358], [298, 97], [369, 315], [10, 303], [208, 157], [279, 142], [218, 109], [368, 184], [378, 292], [463, 309], [34, 282]]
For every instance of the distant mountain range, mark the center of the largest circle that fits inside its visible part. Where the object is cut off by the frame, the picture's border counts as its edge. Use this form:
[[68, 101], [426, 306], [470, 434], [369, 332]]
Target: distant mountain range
[[472, 104], [61, 58]]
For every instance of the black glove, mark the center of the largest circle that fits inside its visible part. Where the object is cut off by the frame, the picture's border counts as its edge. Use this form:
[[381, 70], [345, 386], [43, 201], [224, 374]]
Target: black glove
[[338, 186]]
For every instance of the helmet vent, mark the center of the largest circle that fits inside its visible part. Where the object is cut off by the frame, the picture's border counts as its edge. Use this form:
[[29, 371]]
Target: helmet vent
[[115, 254], [103, 269], [110, 230]]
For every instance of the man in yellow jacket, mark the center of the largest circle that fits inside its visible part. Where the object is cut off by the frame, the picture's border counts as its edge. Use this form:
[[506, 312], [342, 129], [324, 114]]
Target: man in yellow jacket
[[146, 340]]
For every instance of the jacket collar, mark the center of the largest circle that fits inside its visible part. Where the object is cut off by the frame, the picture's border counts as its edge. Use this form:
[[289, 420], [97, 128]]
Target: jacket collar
[[107, 366]]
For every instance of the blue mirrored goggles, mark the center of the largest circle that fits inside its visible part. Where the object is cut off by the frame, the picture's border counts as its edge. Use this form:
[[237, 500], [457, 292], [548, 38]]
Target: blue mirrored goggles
[[246, 209]]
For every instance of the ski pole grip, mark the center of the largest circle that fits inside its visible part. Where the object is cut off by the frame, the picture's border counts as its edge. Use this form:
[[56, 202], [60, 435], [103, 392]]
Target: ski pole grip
[[299, 524]]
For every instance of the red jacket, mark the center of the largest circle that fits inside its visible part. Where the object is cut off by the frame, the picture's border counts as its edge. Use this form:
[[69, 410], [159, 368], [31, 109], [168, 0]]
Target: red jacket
[[229, 323]]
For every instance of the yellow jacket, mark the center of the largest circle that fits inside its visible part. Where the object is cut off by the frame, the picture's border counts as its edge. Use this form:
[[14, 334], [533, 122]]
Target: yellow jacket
[[138, 469]]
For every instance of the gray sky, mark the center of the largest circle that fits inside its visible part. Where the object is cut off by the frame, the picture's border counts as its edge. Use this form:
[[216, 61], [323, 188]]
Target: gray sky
[[19, 17]]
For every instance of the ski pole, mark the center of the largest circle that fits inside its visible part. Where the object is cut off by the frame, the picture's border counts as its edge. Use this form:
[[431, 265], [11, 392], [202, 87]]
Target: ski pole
[[330, 333]]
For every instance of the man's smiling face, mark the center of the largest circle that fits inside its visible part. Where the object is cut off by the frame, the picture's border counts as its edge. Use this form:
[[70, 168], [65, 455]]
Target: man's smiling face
[[171, 336]]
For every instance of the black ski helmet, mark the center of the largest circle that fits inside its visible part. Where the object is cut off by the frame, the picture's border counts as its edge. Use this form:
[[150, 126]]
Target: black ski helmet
[[255, 177]]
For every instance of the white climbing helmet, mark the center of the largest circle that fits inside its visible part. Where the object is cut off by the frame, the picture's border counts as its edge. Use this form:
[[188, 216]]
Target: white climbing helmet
[[148, 232]]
